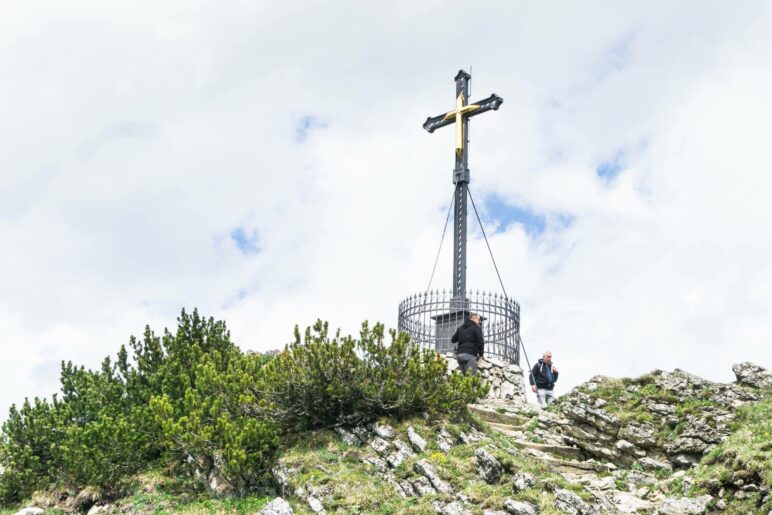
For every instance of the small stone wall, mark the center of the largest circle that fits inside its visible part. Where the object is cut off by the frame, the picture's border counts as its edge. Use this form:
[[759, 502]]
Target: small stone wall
[[506, 379]]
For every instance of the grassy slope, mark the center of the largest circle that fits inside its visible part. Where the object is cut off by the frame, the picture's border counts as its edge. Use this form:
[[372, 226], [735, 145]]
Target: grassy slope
[[746, 453], [323, 460]]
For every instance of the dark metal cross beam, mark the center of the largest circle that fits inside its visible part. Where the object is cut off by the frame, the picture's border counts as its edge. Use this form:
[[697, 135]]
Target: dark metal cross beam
[[460, 116]]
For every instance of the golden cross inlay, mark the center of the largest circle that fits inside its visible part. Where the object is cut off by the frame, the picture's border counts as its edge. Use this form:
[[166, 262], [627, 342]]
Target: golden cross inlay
[[458, 113]]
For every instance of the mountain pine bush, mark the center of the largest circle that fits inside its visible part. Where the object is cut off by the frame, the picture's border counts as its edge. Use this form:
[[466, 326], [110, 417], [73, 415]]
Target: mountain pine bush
[[324, 381], [192, 400]]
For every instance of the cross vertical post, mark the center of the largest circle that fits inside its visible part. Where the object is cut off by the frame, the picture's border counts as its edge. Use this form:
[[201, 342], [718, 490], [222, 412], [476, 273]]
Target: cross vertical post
[[461, 180], [460, 116]]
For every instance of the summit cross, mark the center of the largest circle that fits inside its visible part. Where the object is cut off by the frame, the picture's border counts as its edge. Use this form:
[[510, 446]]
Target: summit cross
[[460, 116]]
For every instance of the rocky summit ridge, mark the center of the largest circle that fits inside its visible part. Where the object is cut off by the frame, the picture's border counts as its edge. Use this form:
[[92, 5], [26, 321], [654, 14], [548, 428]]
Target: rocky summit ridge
[[662, 443]]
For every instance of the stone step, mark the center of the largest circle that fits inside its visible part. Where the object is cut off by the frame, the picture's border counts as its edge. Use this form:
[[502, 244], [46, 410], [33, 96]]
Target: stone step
[[559, 450], [508, 428], [574, 464], [491, 415]]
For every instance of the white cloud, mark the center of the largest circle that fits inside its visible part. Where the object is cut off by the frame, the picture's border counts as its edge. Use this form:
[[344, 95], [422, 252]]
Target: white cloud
[[136, 139]]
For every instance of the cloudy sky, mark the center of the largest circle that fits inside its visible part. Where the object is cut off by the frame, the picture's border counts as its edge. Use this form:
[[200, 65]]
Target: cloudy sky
[[265, 162]]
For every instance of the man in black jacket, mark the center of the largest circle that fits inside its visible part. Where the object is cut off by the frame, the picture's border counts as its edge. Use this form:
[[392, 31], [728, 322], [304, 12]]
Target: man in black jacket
[[470, 344], [542, 379]]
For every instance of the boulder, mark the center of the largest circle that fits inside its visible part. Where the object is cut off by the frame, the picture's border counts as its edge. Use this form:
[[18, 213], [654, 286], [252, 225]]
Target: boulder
[[444, 440], [569, 502], [348, 437], [629, 448], [383, 430], [422, 486], [685, 505], [403, 452], [488, 468], [453, 508], [750, 374], [277, 507], [641, 434], [687, 445], [380, 445], [519, 507], [425, 469], [522, 481], [407, 488], [362, 433], [416, 442], [651, 464], [315, 505]]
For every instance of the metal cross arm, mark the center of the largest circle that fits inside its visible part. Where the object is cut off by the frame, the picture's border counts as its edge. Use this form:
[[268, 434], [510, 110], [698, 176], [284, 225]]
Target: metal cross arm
[[491, 103]]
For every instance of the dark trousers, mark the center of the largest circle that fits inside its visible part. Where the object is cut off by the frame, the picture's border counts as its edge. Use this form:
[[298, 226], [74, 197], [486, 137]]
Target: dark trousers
[[466, 362]]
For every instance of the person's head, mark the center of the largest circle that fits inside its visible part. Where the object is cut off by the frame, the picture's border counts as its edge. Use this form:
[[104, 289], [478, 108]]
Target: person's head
[[474, 317], [547, 357]]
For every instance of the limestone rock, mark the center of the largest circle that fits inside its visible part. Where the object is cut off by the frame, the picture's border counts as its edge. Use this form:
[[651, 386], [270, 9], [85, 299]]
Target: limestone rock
[[686, 460], [407, 488], [315, 505], [629, 448], [750, 374], [422, 486], [569, 502], [30, 510], [403, 452], [488, 468], [641, 434], [277, 507], [519, 507], [383, 430], [687, 445], [282, 476], [425, 469], [685, 505], [522, 481], [444, 440], [416, 442], [362, 433], [100, 509], [582, 411], [380, 445], [380, 465], [652, 464], [347, 436], [453, 508]]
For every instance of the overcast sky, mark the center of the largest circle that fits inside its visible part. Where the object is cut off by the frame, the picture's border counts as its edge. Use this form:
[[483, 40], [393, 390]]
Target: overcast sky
[[265, 162]]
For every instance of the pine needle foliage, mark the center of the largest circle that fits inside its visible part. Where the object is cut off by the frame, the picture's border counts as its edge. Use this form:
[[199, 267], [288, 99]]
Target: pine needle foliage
[[190, 400], [323, 380]]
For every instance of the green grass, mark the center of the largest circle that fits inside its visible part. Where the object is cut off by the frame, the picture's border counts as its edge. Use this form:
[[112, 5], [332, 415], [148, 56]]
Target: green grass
[[747, 452]]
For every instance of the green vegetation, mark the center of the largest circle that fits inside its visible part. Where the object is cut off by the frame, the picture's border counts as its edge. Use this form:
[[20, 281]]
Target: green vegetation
[[744, 457], [192, 403]]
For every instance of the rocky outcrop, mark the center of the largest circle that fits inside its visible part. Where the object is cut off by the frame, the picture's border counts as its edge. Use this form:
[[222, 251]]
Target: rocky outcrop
[[752, 375], [663, 421], [277, 507], [505, 379], [488, 468], [519, 507], [646, 435]]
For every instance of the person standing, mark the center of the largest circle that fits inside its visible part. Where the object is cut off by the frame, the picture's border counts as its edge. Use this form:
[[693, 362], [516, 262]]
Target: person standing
[[470, 343], [542, 379]]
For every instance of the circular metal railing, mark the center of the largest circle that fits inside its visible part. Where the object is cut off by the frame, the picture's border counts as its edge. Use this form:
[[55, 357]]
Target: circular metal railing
[[431, 318]]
